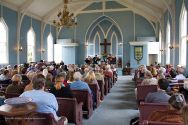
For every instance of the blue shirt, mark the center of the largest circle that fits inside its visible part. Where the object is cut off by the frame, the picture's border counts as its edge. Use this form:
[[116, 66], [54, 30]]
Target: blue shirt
[[80, 85], [46, 102]]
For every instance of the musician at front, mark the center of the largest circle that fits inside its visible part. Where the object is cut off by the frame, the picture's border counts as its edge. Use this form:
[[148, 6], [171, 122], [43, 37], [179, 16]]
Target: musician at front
[[88, 60], [96, 59]]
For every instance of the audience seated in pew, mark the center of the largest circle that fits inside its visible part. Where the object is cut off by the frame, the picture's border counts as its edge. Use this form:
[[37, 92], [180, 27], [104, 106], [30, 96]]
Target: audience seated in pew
[[173, 114], [148, 79], [46, 102], [160, 96], [78, 84], [180, 72], [15, 86], [5, 75], [59, 89], [49, 83], [161, 73], [70, 78]]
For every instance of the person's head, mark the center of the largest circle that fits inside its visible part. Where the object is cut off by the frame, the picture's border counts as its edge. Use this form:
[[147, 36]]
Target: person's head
[[177, 101], [148, 74], [63, 75], [38, 82], [185, 114], [77, 76], [59, 81], [6, 72], [16, 79], [70, 76], [163, 84], [49, 77], [90, 76], [31, 74]]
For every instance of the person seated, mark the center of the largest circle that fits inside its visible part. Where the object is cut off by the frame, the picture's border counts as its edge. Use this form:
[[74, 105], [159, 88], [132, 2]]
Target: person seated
[[173, 114], [90, 79], [49, 81], [15, 87], [46, 102], [59, 89], [160, 96], [161, 73], [98, 75], [140, 72], [30, 75], [180, 72], [70, 78], [108, 72], [185, 114], [153, 70], [148, 79], [78, 84], [95, 59], [5, 75]]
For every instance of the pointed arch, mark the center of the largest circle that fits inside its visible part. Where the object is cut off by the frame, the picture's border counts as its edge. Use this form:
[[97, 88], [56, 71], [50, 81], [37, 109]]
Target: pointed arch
[[4, 42], [182, 36], [31, 42], [50, 47], [97, 41], [114, 41]]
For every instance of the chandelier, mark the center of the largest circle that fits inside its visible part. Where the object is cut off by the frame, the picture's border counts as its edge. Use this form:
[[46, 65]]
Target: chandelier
[[65, 18]]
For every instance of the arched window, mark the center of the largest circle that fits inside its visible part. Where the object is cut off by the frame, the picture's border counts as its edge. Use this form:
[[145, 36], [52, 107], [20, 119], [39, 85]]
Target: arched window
[[50, 48], [3, 42], [160, 47], [31, 40], [168, 43], [183, 33]]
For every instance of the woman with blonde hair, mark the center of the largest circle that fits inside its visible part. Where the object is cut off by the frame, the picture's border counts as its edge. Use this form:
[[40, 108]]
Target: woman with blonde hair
[[59, 89], [90, 78]]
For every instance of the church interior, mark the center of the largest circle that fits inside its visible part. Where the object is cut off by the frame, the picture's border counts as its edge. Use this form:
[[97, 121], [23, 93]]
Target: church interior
[[93, 62]]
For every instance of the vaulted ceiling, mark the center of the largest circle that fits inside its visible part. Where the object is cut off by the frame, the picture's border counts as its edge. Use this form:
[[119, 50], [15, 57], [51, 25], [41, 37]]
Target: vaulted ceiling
[[46, 10]]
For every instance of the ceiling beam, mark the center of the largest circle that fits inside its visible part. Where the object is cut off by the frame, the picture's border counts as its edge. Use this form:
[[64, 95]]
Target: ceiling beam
[[24, 7], [137, 9], [81, 8], [154, 10], [106, 10]]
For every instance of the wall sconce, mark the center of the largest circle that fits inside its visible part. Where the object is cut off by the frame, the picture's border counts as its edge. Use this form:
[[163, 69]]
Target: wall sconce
[[20, 48], [171, 47], [120, 44], [43, 50], [86, 43], [161, 50]]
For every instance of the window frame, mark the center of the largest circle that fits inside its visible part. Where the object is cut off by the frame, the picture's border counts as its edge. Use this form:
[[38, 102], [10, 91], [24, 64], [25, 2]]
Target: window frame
[[34, 46], [7, 43]]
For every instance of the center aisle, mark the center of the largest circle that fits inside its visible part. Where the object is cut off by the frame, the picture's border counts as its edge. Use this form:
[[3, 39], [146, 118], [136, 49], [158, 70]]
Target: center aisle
[[118, 107]]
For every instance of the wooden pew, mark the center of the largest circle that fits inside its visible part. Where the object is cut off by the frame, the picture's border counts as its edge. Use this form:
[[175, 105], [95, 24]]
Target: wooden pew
[[143, 90], [159, 123], [147, 108], [95, 90], [70, 108], [101, 85], [85, 97]]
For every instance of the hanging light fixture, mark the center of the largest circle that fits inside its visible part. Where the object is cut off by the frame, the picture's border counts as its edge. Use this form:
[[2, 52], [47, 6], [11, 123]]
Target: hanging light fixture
[[65, 18]]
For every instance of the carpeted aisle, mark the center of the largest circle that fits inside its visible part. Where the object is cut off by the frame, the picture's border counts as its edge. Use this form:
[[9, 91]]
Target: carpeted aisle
[[118, 107]]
